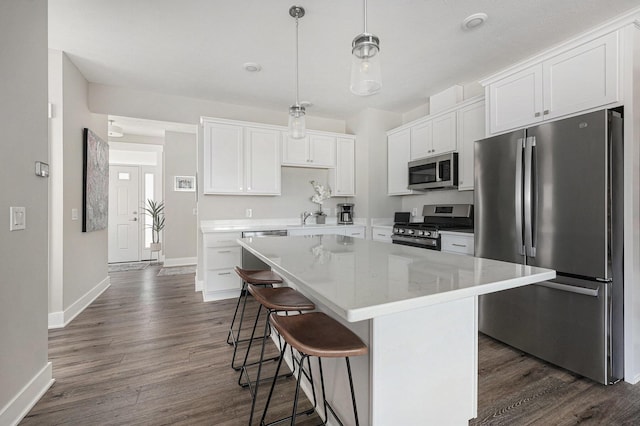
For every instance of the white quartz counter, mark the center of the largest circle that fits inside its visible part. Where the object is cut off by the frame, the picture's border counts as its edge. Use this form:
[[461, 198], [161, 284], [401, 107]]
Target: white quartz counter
[[207, 226], [362, 279]]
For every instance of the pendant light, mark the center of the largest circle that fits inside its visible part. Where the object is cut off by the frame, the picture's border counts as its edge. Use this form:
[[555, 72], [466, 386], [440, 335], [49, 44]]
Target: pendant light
[[297, 126], [114, 131], [366, 78]]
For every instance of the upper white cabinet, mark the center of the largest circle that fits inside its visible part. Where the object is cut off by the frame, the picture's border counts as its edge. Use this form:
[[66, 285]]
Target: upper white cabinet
[[241, 159], [314, 150], [262, 161], [571, 81], [471, 127], [343, 177], [398, 155], [434, 136]]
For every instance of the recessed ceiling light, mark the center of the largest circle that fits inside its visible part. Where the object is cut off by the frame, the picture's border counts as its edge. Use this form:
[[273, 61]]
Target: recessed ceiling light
[[474, 21], [252, 67], [306, 104]]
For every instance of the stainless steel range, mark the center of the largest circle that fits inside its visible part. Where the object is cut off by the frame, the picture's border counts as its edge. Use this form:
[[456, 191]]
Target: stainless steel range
[[438, 217]]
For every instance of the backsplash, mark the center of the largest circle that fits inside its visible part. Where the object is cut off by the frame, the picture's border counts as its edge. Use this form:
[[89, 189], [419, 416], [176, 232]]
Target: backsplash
[[446, 196]]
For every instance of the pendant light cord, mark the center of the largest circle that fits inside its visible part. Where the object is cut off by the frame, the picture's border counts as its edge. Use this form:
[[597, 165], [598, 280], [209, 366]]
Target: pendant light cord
[[365, 16], [297, 79]]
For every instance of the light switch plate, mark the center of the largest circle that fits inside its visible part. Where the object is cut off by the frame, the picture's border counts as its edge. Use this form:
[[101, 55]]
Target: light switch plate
[[18, 218], [74, 214]]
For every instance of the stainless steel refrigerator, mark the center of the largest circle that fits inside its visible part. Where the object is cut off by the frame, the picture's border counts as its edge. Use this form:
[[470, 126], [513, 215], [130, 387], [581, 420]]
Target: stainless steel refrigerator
[[552, 196]]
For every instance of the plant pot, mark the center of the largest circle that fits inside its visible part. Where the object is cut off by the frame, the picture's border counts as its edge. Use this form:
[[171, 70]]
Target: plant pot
[[320, 219], [155, 246]]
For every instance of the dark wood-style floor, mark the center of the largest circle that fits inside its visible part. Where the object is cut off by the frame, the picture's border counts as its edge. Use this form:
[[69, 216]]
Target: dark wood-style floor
[[148, 351]]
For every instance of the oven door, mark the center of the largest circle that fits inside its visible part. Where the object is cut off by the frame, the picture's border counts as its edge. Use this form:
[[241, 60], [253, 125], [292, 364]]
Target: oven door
[[428, 243]]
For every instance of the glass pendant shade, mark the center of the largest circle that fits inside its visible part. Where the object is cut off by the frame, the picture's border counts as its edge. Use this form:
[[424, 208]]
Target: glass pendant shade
[[366, 76], [297, 125]]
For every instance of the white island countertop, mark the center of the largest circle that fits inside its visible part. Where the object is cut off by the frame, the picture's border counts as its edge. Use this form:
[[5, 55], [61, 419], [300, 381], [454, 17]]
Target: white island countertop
[[363, 279]]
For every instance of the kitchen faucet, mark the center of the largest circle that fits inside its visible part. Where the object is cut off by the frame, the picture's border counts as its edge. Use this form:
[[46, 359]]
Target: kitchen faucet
[[304, 216]]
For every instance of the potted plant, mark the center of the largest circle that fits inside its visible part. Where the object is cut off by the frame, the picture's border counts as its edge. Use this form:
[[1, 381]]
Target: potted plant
[[156, 211], [321, 194]]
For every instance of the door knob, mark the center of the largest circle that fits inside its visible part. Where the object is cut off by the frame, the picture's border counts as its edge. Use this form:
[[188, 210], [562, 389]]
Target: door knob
[[135, 219]]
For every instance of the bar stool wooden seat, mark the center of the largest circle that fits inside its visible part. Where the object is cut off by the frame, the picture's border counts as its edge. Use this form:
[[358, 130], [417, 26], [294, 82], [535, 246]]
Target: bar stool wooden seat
[[273, 299], [315, 334], [260, 277]]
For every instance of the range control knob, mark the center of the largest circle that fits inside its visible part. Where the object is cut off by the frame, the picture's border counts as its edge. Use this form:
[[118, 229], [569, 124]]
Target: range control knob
[[411, 231]]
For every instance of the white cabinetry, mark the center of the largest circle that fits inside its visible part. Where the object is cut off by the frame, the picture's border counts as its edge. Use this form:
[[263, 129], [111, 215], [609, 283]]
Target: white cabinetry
[[381, 233], [241, 159], [575, 80], [398, 155], [221, 254], [457, 242], [434, 136], [343, 177], [471, 121], [314, 150]]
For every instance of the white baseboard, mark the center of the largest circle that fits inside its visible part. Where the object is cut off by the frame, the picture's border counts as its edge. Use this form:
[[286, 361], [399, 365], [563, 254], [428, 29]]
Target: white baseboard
[[23, 402], [199, 284], [180, 261], [60, 319], [633, 380], [220, 295]]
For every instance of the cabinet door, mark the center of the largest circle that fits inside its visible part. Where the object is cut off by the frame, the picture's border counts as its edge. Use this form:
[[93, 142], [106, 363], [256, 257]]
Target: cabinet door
[[516, 101], [322, 151], [471, 122], [344, 184], [355, 231], [295, 152], [444, 134], [582, 78], [262, 161], [223, 162], [459, 244], [421, 140], [398, 154]]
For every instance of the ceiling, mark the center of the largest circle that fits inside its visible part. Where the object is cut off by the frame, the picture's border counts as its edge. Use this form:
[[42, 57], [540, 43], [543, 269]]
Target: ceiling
[[197, 48]]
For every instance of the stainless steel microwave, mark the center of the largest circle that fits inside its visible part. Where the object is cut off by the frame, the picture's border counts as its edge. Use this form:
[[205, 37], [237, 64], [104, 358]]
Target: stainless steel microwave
[[434, 172]]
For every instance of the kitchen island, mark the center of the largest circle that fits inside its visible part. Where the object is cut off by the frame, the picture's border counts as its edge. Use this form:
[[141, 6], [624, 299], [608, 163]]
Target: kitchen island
[[416, 309]]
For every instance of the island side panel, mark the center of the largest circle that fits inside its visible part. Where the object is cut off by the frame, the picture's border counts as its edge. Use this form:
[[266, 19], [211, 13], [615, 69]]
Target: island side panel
[[424, 365]]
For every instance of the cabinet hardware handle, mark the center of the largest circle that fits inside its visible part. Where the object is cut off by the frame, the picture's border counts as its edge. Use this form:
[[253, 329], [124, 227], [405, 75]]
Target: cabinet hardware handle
[[381, 235], [224, 251], [537, 114], [224, 273], [225, 241], [546, 111], [459, 245]]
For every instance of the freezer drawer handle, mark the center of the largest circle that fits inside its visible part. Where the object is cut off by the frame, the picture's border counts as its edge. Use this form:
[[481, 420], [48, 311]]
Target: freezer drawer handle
[[570, 288]]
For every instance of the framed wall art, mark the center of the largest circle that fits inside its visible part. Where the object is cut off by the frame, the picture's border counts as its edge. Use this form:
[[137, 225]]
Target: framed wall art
[[184, 183], [95, 182]]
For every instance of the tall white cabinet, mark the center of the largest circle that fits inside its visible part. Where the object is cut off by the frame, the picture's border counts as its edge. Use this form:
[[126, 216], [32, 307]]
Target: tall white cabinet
[[398, 155]]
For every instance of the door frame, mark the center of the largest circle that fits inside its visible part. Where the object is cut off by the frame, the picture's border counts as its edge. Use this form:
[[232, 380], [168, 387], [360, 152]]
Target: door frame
[[118, 157]]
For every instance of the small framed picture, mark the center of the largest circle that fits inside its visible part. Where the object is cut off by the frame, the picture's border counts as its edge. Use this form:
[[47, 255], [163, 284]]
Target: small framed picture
[[184, 183]]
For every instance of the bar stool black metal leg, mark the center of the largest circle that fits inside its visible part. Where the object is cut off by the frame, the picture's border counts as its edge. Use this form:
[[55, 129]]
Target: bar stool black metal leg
[[243, 295], [243, 368], [353, 394], [273, 385]]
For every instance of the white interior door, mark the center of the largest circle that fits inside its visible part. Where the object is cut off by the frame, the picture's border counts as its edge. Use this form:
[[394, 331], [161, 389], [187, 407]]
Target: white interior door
[[124, 214]]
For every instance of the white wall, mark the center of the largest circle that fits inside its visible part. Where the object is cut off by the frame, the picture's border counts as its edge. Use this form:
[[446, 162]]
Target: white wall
[[78, 261], [24, 370], [180, 233], [371, 199]]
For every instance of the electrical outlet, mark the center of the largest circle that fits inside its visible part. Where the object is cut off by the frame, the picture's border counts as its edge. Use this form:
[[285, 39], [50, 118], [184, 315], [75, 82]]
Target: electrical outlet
[[248, 212], [414, 212]]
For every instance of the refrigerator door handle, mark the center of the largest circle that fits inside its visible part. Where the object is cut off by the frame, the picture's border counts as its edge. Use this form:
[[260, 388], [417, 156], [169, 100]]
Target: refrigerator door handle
[[518, 197], [529, 196], [570, 288]]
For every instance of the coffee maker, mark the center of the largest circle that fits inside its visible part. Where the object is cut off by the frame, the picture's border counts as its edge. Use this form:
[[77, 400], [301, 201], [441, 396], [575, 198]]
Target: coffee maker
[[345, 214]]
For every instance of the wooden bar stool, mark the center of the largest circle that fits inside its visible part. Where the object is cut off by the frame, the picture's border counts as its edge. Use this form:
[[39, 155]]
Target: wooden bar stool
[[315, 334], [277, 299], [255, 277]]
